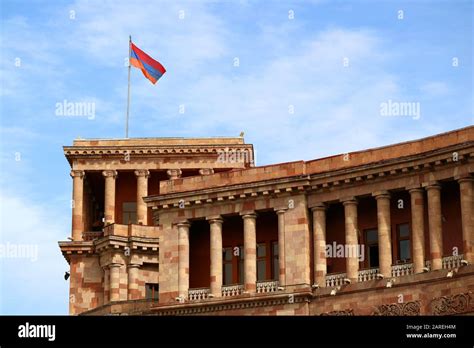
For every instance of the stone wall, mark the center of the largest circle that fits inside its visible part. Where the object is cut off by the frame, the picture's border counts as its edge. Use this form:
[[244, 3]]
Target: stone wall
[[86, 283]]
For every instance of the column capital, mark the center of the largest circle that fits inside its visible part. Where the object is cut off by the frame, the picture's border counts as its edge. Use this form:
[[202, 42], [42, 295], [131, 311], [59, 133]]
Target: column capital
[[215, 219], [134, 265], [349, 201], [249, 214], [206, 171], [183, 223], [110, 173], [142, 172], [381, 194], [174, 173], [414, 189], [280, 210], [77, 173], [432, 185], [465, 179], [319, 207], [114, 264]]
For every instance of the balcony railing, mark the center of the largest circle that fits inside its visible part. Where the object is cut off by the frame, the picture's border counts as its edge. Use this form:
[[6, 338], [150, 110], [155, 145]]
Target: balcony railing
[[451, 262], [402, 269], [267, 286], [232, 290], [198, 294], [335, 279], [368, 274], [132, 230], [91, 235]]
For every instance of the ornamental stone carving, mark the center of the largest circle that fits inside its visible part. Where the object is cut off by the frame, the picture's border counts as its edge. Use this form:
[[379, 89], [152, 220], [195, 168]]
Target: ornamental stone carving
[[398, 309], [454, 304]]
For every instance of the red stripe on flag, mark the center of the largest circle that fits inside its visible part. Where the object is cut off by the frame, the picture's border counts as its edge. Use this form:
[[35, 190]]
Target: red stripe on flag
[[147, 59]]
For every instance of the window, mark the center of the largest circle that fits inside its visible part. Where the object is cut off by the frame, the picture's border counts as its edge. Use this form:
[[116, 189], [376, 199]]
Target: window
[[129, 213], [261, 261], [227, 265], [241, 265], [404, 243], [372, 244], [233, 265], [152, 291], [275, 263]]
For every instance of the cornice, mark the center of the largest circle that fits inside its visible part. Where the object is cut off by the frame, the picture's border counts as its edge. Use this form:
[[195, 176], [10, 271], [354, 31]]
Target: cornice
[[150, 150], [311, 183], [101, 245]]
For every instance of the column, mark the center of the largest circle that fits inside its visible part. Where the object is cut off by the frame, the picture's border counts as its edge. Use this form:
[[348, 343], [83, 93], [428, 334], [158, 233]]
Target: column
[[142, 191], [250, 252], [352, 261], [467, 215], [319, 244], [110, 176], [183, 255], [206, 171], [133, 281], [436, 225], [216, 256], [418, 228], [174, 174], [106, 284], [384, 232], [77, 204], [114, 282], [281, 247]]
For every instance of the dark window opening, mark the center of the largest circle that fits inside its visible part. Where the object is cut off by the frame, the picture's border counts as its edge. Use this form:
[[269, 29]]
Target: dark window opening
[[275, 263], [129, 213], [152, 291], [404, 243], [372, 245]]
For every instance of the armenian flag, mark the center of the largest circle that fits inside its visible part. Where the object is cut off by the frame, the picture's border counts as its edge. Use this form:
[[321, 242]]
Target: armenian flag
[[151, 68]]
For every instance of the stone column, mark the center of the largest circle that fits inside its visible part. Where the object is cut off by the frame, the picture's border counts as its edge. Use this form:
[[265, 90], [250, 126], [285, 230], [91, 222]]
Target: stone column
[[384, 232], [142, 191], [77, 204], [133, 281], [281, 247], [106, 284], [435, 221], [467, 214], [109, 203], [206, 171], [114, 282], [183, 255], [418, 229], [250, 252], [319, 244], [216, 256], [174, 174], [352, 261]]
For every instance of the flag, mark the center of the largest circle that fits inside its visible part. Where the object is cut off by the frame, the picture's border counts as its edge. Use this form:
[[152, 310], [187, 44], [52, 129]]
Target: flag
[[151, 68]]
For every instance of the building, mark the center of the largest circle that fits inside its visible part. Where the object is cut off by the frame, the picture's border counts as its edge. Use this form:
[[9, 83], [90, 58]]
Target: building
[[172, 226]]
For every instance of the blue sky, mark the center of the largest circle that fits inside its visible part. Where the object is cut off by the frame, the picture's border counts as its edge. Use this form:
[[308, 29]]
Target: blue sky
[[332, 63]]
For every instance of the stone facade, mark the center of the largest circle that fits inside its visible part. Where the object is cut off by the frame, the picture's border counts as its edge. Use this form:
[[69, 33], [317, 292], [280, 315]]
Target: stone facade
[[187, 229]]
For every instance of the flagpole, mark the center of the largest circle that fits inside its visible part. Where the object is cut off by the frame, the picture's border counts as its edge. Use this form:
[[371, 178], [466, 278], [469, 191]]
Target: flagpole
[[128, 96]]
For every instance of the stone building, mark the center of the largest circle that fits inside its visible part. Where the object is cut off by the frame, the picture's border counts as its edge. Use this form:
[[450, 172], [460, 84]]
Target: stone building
[[172, 226]]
